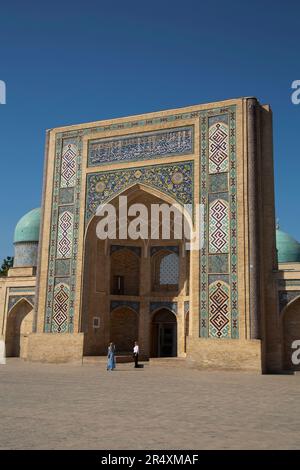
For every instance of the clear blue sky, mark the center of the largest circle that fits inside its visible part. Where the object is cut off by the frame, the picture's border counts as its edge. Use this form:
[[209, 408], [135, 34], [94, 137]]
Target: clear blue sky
[[67, 62]]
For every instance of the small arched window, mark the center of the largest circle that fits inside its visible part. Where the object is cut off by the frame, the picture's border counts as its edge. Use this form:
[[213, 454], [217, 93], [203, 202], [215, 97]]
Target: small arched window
[[169, 270]]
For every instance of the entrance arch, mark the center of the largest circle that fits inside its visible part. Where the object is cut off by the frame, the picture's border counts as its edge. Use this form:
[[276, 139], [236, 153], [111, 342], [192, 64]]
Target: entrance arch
[[290, 332], [121, 271], [164, 334], [19, 325], [123, 329]]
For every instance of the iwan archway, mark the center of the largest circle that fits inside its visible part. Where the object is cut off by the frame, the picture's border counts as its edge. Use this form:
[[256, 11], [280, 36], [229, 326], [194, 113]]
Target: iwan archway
[[124, 278]]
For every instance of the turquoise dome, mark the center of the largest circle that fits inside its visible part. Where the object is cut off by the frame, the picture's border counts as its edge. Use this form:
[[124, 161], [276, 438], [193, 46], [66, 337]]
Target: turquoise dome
[[28, 227], [288, 248]]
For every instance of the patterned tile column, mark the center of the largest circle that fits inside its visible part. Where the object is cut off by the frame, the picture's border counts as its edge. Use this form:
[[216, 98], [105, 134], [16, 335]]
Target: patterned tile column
[[218, 258], [65, 209]]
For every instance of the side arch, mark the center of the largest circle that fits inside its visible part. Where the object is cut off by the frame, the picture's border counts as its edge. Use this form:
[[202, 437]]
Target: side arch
[[18, 327], [163, 333]]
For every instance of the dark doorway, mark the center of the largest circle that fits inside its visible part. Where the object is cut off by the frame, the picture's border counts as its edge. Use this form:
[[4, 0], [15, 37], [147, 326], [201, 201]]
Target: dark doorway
[[124, 329], [164, 334]]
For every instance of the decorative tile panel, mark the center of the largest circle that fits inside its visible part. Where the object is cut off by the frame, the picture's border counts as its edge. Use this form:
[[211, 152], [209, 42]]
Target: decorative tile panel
[[60, 248], [143, 146], [61, 308], [218, 257], [219, 305], [68, 165], [65, 234], [103, 186], [218, 227], [218, 147]]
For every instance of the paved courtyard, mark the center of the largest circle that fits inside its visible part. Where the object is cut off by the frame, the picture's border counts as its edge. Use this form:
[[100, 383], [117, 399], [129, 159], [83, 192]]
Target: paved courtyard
[[46, 406]]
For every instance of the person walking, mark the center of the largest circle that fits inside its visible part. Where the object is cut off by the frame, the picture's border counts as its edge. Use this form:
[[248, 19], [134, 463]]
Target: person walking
[[136, 354], [111, 360]]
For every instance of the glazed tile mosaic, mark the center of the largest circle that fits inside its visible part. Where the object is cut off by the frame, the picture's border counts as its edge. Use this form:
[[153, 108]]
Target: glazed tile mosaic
[[102, 186], [142, 146], [218, 299]]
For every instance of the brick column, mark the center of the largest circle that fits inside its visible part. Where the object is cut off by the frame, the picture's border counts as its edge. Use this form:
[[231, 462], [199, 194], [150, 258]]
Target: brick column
[[144, 315], [253, 207], [180, 329]]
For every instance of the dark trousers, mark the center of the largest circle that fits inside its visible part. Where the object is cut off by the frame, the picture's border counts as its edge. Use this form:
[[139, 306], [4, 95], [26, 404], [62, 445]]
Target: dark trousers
[[136, 360]]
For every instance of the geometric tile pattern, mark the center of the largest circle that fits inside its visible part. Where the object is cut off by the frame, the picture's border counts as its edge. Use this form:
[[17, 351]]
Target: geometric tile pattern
[[102, 186], [219, 317], [218, 227], [68, 166], [218, 148], [65, 235], [169, 269], [219, 310], [64, 227], [142, 146], [61, 308]]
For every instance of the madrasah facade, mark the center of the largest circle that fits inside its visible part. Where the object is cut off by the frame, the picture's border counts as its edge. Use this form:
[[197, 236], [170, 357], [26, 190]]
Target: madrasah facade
[[232, 304]]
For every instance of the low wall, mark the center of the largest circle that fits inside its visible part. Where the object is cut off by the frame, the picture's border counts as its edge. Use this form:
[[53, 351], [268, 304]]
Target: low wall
[[222, 354], [55, 347]]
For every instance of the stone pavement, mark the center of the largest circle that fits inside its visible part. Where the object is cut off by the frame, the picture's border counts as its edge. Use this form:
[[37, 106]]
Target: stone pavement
[[45, 406]]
